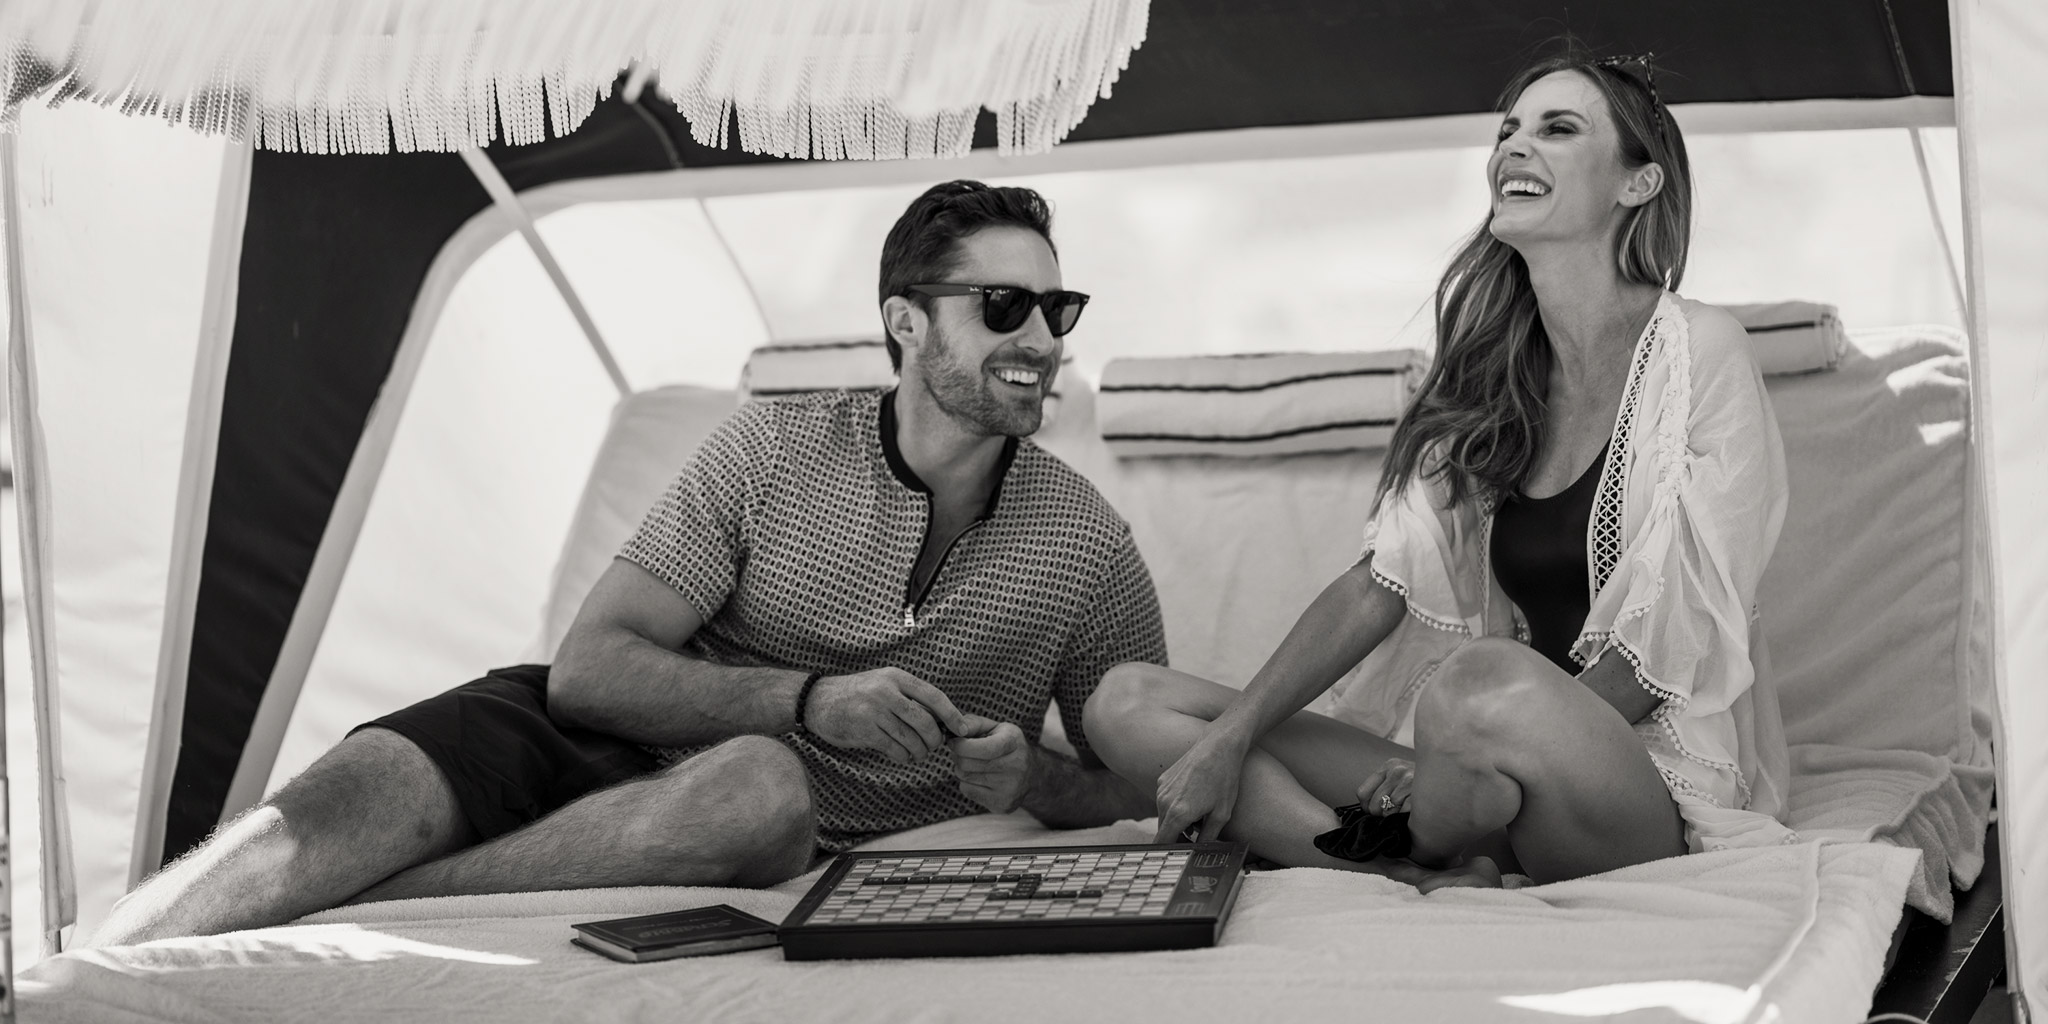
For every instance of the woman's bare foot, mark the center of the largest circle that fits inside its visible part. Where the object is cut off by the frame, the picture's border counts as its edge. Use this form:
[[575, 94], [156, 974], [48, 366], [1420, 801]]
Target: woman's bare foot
[[1475, 873]]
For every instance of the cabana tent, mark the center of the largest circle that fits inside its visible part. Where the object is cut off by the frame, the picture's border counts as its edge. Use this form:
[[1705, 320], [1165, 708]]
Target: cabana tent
[[257, 349]]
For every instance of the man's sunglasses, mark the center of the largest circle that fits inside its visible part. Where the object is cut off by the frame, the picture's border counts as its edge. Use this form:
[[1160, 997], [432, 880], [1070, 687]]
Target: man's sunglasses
[[1004, 308]]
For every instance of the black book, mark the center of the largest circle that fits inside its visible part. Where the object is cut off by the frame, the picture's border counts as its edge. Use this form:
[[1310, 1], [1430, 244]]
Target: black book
[[699, 932]]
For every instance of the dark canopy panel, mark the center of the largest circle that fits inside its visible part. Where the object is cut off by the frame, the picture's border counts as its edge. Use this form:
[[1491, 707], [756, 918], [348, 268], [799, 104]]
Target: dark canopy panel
[[1217, 64], [336, 247]]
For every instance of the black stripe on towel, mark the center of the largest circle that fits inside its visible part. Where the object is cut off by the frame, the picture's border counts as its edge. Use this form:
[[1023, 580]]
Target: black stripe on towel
[[1274, 436], [1241, 388], [786, 392], [1768, 328], [810, 346]]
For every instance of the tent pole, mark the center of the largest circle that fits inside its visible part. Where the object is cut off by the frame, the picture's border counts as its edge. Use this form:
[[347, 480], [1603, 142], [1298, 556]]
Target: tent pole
[[732, 256], [1905, 70], [1948, 252], [195, 494], [33, 513], [6, 848], [501, 193]]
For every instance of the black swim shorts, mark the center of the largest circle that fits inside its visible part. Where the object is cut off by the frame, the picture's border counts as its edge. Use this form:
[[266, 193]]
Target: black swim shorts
[[507, 761]]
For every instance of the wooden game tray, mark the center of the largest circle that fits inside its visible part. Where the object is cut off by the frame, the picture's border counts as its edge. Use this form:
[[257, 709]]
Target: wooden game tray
[[878, 904]]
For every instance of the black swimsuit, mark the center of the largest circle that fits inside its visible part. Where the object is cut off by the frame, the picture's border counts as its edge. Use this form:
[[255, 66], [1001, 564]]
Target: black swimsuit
[[1539, 556]]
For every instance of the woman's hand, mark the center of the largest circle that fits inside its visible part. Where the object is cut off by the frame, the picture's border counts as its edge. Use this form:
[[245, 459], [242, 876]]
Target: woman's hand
[[1201, 787], [1387, 790]]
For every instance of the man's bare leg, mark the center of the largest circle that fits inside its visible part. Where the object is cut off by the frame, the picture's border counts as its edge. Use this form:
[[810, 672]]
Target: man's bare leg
[[373, 805], [737, 814]]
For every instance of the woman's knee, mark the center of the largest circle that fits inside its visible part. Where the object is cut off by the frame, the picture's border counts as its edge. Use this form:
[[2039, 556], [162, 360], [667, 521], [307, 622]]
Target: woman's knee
[[1485, 690], [1125, 692]]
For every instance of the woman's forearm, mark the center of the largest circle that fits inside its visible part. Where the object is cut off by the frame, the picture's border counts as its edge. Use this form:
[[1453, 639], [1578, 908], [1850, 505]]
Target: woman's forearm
[[1344, 623]]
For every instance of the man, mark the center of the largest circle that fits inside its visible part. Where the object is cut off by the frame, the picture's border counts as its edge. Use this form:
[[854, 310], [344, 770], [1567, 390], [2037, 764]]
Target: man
[[846, 617]]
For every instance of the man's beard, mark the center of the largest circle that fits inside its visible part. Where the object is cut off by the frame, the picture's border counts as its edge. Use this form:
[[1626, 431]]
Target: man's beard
[[968, 394]]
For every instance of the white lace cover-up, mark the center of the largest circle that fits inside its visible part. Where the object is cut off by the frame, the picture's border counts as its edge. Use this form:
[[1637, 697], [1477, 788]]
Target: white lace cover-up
[[1683, 524]]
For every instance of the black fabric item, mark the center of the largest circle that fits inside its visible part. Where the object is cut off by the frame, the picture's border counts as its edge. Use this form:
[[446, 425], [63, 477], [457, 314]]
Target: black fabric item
[[1539, 556], [1362, 835], [508, 762]]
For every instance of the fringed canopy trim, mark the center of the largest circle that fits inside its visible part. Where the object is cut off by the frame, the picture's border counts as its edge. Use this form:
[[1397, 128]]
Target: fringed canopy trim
[[821, 79]]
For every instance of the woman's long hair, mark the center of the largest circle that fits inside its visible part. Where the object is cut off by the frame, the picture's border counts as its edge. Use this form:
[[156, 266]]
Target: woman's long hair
[[1477, 422]]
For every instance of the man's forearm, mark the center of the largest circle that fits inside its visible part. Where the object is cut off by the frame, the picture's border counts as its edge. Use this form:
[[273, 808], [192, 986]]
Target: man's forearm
[[1063, 793], [622, 684]]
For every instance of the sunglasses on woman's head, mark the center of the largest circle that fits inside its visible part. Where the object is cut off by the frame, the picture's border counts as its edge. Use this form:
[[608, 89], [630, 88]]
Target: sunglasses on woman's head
[[1004, 308], [1648, 78]]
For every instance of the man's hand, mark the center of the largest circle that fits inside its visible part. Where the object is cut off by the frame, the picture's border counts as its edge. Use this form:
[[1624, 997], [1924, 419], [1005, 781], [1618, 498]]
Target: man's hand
[[994, 762], [886, 710]]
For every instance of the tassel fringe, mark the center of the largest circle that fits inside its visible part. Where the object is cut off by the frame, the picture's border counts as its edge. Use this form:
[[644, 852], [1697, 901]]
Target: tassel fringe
[[818, 79]]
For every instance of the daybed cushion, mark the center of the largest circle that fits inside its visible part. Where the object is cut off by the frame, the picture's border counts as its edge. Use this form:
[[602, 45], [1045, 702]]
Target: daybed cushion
[[651, 434], [1792, 933]]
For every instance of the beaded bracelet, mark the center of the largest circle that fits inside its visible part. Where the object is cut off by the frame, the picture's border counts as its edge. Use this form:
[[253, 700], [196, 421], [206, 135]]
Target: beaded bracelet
[[803, 696]]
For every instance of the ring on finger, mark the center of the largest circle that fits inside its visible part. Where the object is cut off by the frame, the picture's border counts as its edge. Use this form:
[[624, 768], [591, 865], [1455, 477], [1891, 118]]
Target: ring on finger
[[1386, 804]]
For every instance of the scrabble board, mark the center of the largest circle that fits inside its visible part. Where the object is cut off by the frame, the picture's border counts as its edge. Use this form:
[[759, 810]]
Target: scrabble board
[[1067, 899]]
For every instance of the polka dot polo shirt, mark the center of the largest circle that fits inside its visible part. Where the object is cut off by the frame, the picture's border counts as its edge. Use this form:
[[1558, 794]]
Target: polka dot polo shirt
[[793, 531]]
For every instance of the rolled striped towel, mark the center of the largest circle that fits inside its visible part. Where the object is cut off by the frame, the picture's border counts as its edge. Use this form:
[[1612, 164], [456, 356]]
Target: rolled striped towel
[[782, 369], [1793, 337], [1273, 403], [786, 368]]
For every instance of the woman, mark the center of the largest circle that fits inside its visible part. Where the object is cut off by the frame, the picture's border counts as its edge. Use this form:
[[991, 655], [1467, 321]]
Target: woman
[[1555, 604]]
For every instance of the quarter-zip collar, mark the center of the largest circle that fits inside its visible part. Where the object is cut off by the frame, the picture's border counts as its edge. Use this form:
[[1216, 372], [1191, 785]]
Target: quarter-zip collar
[[908, 477]]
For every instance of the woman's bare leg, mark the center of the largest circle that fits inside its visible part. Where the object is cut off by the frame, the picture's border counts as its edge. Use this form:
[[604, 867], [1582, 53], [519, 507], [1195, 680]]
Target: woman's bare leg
[[1142, 718], [1506, 739]]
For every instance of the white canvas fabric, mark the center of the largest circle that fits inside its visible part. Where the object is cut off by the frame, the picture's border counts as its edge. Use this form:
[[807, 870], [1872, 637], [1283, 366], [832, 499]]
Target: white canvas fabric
[[1686, 516], [88, 233], [2002, 99]]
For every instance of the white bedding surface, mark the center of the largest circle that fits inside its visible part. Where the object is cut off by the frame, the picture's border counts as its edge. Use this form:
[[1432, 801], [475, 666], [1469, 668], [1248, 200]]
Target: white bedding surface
[[1790, 933]]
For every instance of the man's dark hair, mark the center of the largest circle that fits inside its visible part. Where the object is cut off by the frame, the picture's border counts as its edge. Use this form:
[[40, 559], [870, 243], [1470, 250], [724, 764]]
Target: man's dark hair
[[924, 246]]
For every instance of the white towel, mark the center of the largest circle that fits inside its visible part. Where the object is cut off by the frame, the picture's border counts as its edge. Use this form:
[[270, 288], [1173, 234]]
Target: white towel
[[1793, 337], [800, 368], [1282, 403]]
